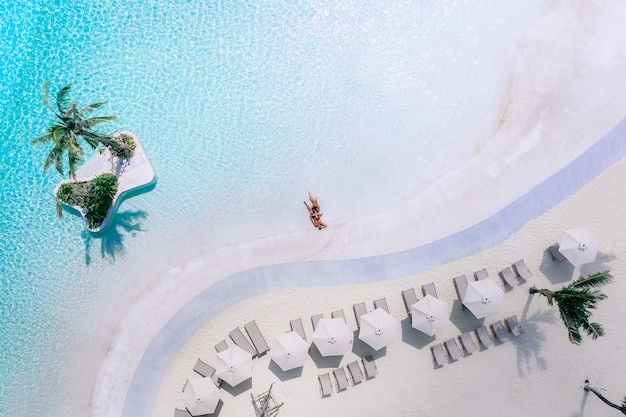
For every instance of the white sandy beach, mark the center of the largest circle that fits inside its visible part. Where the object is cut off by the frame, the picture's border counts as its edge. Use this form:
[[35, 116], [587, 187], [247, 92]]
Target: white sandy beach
[[558, 105], [538, 373]]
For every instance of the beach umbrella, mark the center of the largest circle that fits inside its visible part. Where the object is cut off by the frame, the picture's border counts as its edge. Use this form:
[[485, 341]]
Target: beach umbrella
[[429, 315], [200, 396], [289, 351], [234, 365], [332, 337], [378, 328], [579, 246], [483, 298]]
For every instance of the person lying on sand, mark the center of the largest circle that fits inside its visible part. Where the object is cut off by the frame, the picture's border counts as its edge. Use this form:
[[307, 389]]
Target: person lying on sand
[[315, 213]]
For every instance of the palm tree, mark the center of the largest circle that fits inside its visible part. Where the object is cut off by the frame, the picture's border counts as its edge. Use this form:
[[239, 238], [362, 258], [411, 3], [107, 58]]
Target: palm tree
[[575, 302], [621, 407], [65, 134]]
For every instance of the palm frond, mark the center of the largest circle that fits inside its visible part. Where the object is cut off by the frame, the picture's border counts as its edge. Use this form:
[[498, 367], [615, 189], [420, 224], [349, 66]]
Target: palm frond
[[62, 99], [59, 210], [94, 121], [593, 329], [93, 106], [46, 98], [43, 139], [592, 281]]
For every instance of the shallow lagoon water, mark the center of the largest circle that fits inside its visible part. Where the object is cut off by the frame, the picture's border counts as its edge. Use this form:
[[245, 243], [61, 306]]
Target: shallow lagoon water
[[242, 109]]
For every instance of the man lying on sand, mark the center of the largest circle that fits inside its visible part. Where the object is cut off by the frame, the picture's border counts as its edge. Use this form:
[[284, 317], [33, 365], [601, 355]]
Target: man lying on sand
[[314, 213]]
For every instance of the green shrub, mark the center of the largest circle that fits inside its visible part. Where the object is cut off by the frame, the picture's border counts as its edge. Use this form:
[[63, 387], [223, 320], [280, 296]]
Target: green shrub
[[94, 197], [123, 146], [102, 189]]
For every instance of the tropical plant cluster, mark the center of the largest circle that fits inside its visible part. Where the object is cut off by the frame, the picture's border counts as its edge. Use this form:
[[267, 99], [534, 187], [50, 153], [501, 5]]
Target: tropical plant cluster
[[575, 303], [122, 146], [94, 197]]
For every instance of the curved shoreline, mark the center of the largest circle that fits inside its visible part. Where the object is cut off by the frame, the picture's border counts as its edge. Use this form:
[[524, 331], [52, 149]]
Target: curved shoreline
[[143, 387]]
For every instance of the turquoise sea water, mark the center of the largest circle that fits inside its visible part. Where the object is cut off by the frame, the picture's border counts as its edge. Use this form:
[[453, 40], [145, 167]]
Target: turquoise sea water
[[242, 108]]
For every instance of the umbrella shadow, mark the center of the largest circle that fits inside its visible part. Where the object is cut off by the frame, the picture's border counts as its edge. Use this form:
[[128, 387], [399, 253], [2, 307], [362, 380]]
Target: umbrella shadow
[[556, 272], [463, 319], [602, 263], [413, 336], [112, 239], [360, 348], [529, 344], [284, 375], [323, 361], [237, 389]]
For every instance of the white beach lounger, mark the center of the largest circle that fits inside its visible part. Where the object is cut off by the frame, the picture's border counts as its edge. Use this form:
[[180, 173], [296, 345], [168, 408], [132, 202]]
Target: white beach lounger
[[453, 349], [256, 337], [409, 298], [204, 369], [509, 277], [468, 343], [514, 326], [429, 289], [482, 274], [522, 271], [359, 310], [460, 284], [298, 327], [240, 340], [370, 366], [500, 331], [381, 303], [339, 314], [341, 379], [326, 387], [221, 346], [355, 372], [438, 354], [484, 337], [555, 254], [316, 319]]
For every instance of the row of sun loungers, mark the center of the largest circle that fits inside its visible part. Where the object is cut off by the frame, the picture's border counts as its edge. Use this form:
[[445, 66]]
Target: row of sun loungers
[[455, 352], [258, 347], [341, 379]]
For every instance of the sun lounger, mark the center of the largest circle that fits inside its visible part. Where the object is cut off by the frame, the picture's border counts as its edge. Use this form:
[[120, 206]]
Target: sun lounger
[[514, 326], [359, 310], [522, 271], [484, 337], [429, 289], [500, 331], [468, 343], [181, 413], [326, 387], [298, 327], [438, 354], [509, 277], [256, 337], [316, 319], [370, 366], [339, 314], [460, 284], [482, 274], [355, 372], [409, 298], [203, 368], [453, 349], [240, 340], [381, 303], [557, 256], [221, 346], [341, 379]]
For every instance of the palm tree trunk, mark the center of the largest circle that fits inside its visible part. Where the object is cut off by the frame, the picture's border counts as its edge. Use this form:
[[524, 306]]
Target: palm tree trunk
[[604, 400]]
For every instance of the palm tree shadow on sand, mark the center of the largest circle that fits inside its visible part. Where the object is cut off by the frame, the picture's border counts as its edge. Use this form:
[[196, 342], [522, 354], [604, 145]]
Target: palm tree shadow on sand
[[112, 240], [529, 344]]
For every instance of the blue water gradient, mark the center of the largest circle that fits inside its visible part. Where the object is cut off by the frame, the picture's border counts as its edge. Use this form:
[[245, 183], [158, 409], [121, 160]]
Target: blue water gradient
[[231, 100]]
